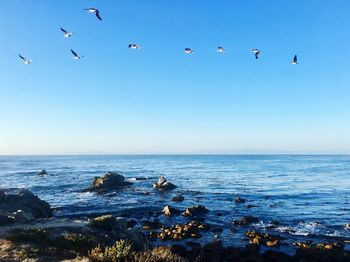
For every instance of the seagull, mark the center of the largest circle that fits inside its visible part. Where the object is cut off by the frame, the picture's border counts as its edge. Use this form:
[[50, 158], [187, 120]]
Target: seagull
[[25, 60], [94, 10], [188, 51], [295, 60], [220, 49], [75, 55], [134, 46], [256, 52], [66, 34]]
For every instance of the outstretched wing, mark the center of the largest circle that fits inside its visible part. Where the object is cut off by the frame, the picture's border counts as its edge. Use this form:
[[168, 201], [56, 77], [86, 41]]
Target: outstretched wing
[[22, 57], [74, 53], [64, 31], [98, 15]]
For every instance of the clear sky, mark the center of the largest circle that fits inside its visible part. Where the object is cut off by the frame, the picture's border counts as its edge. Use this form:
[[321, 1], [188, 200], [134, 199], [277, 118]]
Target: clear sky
[[160, 100]]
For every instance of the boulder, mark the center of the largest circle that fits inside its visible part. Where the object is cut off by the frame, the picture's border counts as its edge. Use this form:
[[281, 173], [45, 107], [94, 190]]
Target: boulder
[[163, 184], [239, 200], [109, 181], [169, 211], [195, 211], [23, 207]]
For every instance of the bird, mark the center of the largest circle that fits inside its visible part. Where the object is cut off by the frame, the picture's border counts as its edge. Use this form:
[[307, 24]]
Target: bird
[[94, 10], [75, 55], [256, 53], [66, 34], [220, 49], [188, 50], [25, 60], [134, 46], [295, 60]]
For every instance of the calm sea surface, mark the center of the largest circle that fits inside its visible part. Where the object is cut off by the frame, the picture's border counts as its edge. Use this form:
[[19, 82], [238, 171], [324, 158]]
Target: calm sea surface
[[308, 195]]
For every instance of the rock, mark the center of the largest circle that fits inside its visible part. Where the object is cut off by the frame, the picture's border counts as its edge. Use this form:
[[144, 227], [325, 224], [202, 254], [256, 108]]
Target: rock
[[195, 211], [169, 211], [150, 225], [178, 198], [42, 173], [109, 181], [163, 184], [239, 200], [131, 223], [247, 220], [276, 256], [108, 223], [22, 217], [30, 206], [5, 217], [214, 251]]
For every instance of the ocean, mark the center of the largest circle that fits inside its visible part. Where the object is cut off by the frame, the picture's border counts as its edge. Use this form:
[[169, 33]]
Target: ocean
[[308, 195]]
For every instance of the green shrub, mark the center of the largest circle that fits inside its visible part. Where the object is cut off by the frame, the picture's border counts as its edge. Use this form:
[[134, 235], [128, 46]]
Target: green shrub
[[116, 253], [106, 222], [158, 254]]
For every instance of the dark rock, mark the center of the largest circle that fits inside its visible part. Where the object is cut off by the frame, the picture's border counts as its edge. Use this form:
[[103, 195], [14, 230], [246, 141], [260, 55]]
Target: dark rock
[[196, 211], [42, 173], [276, 256], [247, 220], [108, 181], [24, 207], [150, 225], [178, 198], [169, 211], [163, 184], [239, 200], [131, 223]]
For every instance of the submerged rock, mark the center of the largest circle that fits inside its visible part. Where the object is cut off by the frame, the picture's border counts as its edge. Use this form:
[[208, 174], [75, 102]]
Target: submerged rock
[[178, 198], [239, 200], [42, 173], [163, 184], [196, 211], [169, 211], [247, 220], [22, 207]]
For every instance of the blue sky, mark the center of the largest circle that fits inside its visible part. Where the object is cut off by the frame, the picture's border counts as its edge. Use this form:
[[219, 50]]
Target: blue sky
[[160, 100]]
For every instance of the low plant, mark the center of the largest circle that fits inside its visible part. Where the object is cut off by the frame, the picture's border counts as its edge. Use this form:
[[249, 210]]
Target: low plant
[[119, 251]]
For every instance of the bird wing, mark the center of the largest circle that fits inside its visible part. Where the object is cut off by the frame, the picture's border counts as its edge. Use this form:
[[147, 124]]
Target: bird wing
[[257, 55], [64, 31], [74, 53], [22, 57], [98, 15]]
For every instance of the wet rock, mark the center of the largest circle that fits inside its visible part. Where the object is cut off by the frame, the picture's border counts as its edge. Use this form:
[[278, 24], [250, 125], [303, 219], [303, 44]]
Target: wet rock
[[163, 184], [247, 220], [306, 244], [131, 223], [276, 256], [178, 198], [24, 207], [239, 200], [251, 206], [196, 211], [109, 181], [169, 211], [256, 238], [151, 225], [22, 217], [42, 173]]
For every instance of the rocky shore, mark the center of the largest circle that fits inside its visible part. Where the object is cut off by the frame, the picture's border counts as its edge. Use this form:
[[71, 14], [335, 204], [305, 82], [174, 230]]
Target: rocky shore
[[29, 231]]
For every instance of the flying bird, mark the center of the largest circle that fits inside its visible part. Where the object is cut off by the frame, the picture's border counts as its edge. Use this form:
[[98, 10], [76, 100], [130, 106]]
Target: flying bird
[[295, 60], [256, 53], [66, 34], [25, 60], [94, 10], [220, 49], [134, 46], [75, 55], [188, 51]]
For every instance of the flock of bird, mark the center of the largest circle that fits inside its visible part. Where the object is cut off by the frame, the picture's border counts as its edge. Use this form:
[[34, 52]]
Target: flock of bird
[[67, 34]]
